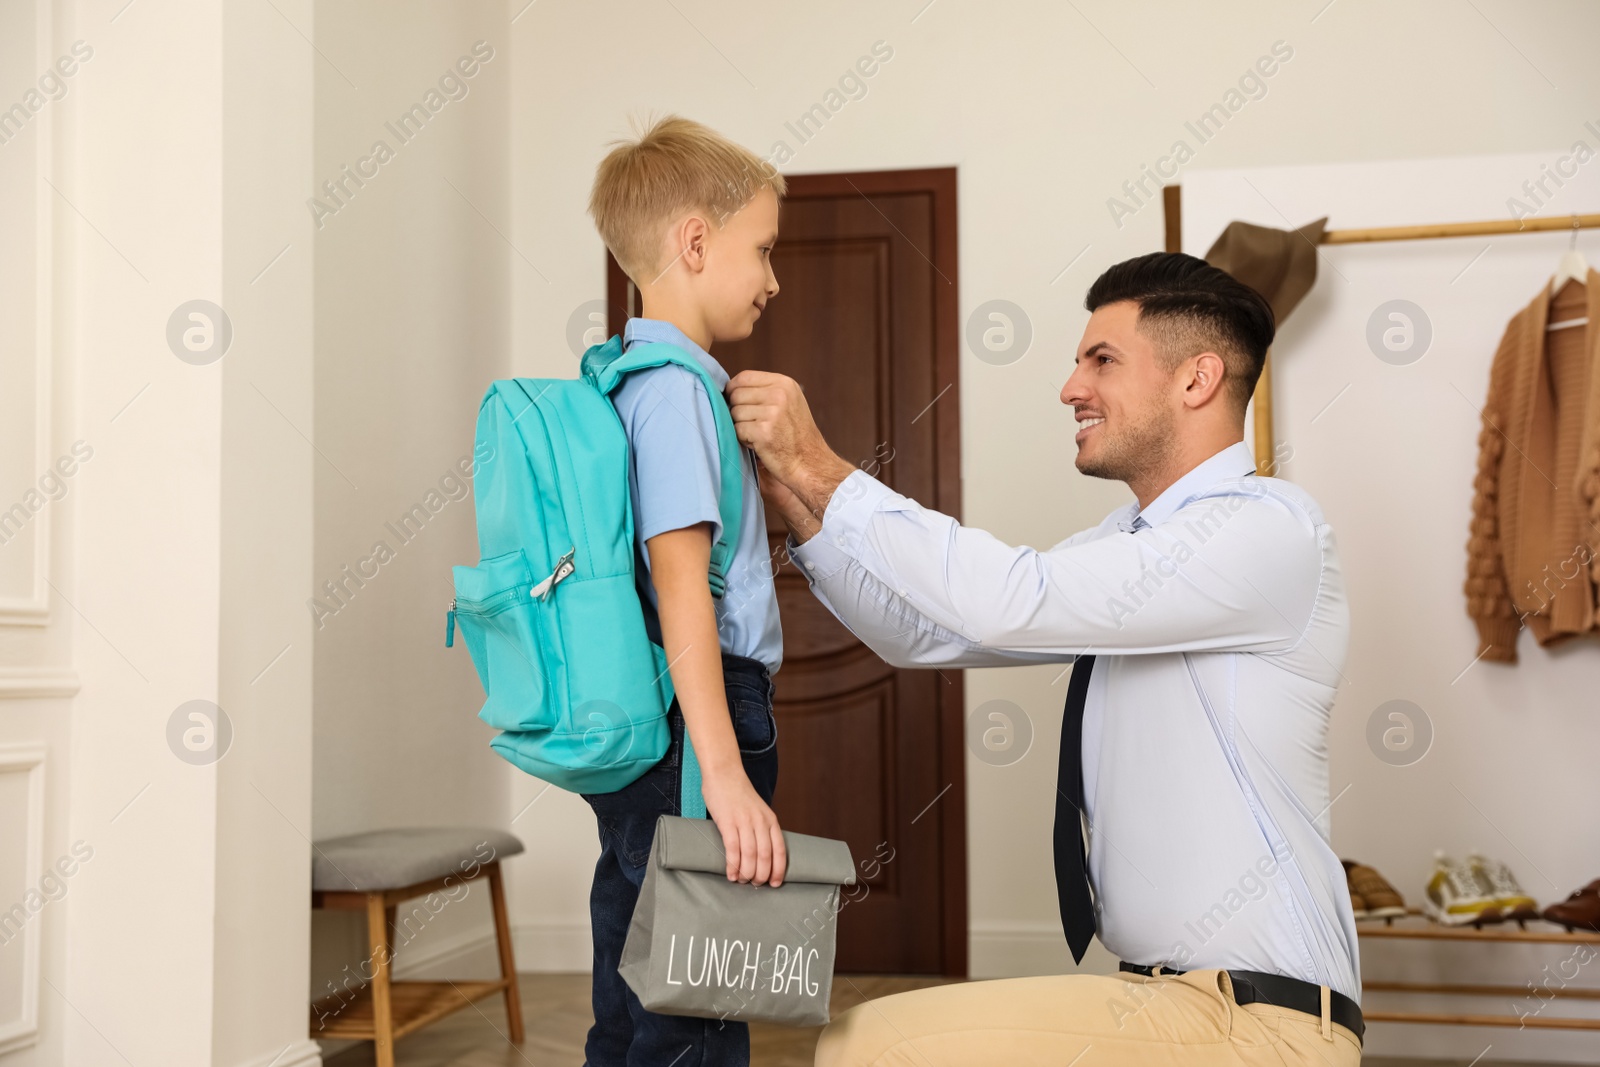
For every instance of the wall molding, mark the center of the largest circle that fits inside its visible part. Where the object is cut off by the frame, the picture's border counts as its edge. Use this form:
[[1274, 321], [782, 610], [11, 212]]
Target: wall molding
[[23, 1030], [33, 609], [29, 683]]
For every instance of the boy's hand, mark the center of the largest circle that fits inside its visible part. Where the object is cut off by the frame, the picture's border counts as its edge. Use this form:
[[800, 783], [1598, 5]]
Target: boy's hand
[[751, 837]]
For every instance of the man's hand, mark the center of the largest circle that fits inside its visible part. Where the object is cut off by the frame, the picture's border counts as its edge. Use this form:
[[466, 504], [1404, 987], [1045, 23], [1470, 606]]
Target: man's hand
[[751, 837], [770, 414], [781, 501]]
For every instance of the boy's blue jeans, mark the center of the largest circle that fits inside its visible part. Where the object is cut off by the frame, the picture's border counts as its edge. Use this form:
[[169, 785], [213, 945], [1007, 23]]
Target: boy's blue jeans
[[624, 1033]]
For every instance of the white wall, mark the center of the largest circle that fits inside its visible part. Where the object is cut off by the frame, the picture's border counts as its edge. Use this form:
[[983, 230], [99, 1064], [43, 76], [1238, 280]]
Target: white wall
[[1047, 110], [1390, 452], [183, 540], [187, 551], [412, 324]]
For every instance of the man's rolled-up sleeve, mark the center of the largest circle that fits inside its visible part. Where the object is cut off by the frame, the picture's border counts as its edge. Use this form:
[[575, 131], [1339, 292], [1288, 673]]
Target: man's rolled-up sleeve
[[875, 611], [887, 623], [1233, 572]]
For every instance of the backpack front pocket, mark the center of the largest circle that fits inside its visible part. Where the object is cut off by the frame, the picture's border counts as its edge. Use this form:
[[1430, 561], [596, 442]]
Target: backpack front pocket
[[500, 616]]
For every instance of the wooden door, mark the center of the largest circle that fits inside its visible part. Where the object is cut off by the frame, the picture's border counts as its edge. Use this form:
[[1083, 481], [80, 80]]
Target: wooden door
[[866, 320]]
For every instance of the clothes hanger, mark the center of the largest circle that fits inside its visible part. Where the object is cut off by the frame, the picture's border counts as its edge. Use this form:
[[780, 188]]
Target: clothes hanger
[[1572, 268]]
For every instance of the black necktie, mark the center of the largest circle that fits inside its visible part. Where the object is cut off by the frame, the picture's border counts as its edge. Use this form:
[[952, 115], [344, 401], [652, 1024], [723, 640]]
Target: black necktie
[[1072, 871]]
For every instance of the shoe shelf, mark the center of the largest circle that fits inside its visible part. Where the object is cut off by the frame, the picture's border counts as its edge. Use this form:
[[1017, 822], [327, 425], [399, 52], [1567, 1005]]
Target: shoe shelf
[[1416, 926]]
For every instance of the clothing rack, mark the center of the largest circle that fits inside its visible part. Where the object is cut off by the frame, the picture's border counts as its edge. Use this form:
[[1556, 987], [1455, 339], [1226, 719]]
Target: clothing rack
[[1459, 229], [1172, 204]]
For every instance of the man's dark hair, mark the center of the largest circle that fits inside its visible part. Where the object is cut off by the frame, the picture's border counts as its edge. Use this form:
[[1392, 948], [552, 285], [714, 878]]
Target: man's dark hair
[[1187, 306]]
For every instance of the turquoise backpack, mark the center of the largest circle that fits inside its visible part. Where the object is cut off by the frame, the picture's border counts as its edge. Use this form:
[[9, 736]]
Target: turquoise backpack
[[552, 614]]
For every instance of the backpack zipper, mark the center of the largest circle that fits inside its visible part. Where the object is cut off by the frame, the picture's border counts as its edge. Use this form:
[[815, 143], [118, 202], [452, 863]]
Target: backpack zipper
[[505, 598], [564, 567]]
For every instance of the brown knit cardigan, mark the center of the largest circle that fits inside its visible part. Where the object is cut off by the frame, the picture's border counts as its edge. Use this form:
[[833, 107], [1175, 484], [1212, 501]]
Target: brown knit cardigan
[[1534, 552]]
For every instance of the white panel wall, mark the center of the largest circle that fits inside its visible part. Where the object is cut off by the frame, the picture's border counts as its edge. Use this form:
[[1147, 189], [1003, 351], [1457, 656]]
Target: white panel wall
[[37, 498]]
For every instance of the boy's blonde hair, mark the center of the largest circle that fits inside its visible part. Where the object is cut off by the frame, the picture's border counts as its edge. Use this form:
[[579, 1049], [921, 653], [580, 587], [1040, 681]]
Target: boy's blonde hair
[[677, 165]]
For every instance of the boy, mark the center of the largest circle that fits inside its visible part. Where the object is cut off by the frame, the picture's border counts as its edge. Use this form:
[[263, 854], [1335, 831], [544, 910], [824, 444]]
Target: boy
[[691, 218]]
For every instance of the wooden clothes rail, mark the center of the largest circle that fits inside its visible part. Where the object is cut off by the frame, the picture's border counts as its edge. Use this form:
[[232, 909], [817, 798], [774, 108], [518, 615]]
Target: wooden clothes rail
[[1460, 229], [1172, 205]]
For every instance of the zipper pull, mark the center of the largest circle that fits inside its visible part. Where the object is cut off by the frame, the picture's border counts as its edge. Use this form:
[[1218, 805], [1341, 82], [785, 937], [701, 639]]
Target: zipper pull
[[450, 625], [564, 567]]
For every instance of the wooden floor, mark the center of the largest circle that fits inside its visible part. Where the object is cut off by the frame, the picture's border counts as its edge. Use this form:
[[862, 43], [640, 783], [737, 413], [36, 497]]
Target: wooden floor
[[556, 1014], [555, 1009]]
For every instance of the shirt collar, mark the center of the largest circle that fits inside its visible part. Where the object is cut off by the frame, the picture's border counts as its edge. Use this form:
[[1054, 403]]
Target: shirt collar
[[1235, 461], [655, 331]]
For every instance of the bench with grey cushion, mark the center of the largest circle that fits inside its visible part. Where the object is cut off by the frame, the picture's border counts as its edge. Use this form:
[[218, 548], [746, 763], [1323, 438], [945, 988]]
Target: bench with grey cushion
[[374, 872]]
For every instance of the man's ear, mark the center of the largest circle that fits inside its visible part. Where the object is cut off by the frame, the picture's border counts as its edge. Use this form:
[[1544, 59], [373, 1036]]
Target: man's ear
[[1205, 379]]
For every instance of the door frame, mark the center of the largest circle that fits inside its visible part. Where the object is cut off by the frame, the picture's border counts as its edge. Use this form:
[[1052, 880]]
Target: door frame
[[939, 184]]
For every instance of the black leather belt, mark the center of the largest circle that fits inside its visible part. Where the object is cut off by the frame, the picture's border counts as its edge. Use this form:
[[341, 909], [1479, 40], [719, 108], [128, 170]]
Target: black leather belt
[[1258, 987]]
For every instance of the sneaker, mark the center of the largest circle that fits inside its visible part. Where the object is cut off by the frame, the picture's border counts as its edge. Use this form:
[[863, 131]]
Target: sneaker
[[1380, 901], [1501, 884], [1455, 897]]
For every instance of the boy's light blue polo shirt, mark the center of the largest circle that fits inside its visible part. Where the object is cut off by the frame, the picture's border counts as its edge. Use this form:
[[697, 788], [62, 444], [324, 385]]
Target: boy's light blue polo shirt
[[674, 478]]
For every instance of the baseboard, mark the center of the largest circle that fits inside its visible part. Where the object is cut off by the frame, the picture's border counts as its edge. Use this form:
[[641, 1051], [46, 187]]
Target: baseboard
[[465, 956], [1027, 949], [997, 950], [554, 947], [306, 1053], [538, 947]]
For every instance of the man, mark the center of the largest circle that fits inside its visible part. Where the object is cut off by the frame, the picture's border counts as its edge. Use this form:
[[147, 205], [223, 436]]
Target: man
[[1207, 626]]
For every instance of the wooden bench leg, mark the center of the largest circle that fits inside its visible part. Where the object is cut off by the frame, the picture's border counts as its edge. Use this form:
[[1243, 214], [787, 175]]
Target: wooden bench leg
[[508, 963], [382, 1009]]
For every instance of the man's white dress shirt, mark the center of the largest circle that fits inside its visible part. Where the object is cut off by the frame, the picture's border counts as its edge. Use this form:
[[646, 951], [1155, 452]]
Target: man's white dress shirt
[[1219, 628]]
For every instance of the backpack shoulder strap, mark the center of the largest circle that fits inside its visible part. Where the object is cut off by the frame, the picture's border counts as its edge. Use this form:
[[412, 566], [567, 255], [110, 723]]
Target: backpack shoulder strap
[[607, 364]]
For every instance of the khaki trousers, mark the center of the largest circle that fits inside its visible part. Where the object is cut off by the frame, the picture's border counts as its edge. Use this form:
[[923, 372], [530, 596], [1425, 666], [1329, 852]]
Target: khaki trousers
[[1082, 1020]]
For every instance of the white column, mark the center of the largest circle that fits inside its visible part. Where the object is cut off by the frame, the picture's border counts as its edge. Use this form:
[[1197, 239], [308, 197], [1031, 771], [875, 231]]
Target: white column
[[181, 175]]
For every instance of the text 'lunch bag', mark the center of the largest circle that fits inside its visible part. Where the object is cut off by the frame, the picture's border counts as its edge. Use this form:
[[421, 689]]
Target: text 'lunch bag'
[[551, 613], [702, 945]]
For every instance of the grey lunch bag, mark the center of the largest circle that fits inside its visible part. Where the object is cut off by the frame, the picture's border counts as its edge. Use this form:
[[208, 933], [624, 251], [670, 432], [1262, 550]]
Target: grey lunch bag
[[702, 945]]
